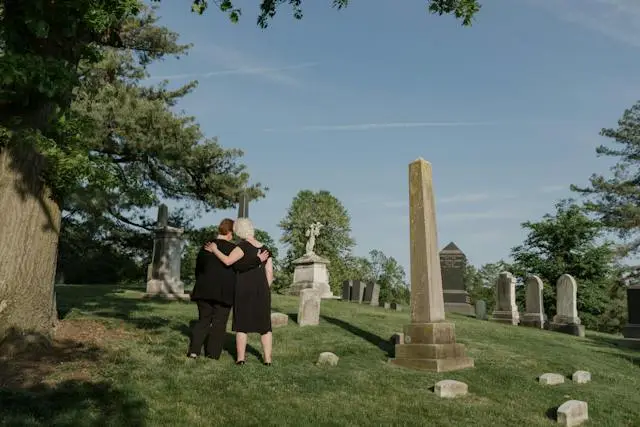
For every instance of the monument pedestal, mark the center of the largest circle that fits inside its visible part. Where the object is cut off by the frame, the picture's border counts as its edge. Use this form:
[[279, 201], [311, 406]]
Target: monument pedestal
[[164, 272], [508, 317], [458, 301], [533, 320], [311, 273], [431, 347], [631, 331], [567, 325]]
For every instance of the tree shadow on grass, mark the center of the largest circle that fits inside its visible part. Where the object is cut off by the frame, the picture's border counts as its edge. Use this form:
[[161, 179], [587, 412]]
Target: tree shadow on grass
[[71, 403], [46, 382], [104, 301], [382, 344]]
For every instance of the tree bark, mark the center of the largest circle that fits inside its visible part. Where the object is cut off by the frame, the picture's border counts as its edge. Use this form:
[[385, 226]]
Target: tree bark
[[29, 230]]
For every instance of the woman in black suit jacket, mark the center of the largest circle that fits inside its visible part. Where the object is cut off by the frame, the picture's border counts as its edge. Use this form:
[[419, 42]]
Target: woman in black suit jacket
[[214, 294]]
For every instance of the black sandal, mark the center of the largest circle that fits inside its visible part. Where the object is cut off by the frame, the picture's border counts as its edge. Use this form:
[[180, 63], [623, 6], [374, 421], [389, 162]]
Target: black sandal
[[240, 362], [267, 363]]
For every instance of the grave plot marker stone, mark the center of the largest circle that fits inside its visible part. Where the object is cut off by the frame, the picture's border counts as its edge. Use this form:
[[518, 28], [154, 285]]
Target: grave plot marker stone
[[506, 310], [534, 312]]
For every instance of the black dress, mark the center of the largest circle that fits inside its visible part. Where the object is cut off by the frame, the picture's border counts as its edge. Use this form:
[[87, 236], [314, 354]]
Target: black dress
[[252, 305]]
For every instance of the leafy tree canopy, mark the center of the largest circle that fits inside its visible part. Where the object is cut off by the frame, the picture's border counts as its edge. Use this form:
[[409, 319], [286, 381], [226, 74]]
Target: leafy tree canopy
[[616, 199], [463, 10]]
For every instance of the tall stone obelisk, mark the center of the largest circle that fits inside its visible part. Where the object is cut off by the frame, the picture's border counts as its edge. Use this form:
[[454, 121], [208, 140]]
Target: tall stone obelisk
[[429, 341]]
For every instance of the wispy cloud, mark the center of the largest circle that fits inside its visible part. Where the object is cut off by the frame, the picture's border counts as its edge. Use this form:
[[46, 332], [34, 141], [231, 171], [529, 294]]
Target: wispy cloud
[[553, 188], [375, 126], [617, 19], [259, 71], [218, 60]]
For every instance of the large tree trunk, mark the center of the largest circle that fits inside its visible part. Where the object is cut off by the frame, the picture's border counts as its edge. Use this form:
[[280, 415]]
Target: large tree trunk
[[29, 228]]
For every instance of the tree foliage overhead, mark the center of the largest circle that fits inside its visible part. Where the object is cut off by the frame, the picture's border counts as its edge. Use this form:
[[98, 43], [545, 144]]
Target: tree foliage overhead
[[464, 10], [616, 199]]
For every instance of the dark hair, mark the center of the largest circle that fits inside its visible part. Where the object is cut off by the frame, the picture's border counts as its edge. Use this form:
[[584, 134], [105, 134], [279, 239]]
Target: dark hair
[[225, 227]]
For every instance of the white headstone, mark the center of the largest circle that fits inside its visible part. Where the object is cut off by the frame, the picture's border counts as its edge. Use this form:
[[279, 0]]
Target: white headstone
[[567, 301]]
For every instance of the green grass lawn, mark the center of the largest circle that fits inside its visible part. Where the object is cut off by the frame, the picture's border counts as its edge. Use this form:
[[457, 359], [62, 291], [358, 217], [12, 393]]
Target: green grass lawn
[[138, 375]]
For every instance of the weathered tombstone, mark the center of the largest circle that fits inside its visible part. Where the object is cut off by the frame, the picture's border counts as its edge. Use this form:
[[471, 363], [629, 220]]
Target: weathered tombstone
[[506, 310], [387, 305], [453, 264], [346, 290], [357, 291], [481, 310], [279, 319], [395, 306], [309, 308], [632, 330], [371, 294], [534, 312], [429, 341], [566, 319], [164, 272], [310, 270]]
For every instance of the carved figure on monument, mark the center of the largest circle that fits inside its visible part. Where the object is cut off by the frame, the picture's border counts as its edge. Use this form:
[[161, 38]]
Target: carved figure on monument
[[311, 269], [312, 232]]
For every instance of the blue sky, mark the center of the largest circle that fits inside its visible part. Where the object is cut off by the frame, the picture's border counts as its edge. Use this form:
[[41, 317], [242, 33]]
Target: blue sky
[[508, 111]]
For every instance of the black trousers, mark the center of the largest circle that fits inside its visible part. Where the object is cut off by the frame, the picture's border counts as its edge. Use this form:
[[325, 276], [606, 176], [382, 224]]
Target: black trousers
[[211, 325]]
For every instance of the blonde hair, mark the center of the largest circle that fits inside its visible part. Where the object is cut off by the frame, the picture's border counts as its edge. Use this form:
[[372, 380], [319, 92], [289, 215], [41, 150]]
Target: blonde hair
[[243, 227]]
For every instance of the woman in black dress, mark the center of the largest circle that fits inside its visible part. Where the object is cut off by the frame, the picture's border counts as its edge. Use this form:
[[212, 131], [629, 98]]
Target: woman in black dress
[[252, 304]]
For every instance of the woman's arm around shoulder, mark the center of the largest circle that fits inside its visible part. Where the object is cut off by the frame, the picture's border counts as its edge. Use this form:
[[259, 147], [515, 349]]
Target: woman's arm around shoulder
[[227, 260]]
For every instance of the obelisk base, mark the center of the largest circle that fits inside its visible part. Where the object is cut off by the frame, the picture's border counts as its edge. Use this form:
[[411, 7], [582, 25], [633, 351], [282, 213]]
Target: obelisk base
[[431, 347]]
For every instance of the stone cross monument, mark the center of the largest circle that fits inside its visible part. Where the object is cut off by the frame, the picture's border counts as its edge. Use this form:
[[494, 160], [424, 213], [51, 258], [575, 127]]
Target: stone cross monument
[[311, 269], [243, 205], [163, 275], [429, 341]]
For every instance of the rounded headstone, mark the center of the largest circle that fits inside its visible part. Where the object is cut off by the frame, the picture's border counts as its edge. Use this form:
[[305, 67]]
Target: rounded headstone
[[573, 413], [327, 358], [450, 388], [551, 379]]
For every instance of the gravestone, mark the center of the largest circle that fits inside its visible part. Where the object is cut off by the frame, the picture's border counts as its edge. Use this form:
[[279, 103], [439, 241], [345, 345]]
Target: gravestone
[[506, 310], [357, 291], [346, 290], [453, 264], [429, 341], [632, 330], [481, 310], [371, 294], [566, 319], [310, 270], [534, 312], [395, 306], [164, 271], [309, 307]]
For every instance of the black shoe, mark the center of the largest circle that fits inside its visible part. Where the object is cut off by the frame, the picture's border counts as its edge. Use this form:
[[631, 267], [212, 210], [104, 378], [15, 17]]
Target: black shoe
[[240, 362], [267, 363]]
